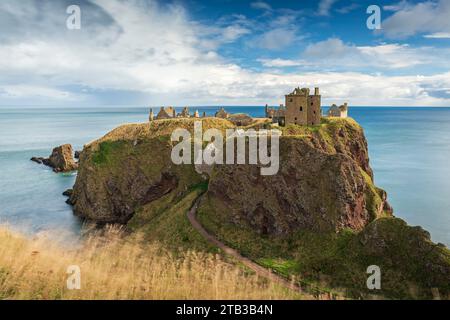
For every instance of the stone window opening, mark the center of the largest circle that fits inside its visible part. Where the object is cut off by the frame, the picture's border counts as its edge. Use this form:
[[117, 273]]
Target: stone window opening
[[301, 108]]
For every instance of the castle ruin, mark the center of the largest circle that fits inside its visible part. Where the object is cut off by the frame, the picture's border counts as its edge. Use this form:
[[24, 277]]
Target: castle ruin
[[170, 113], [301, 108], [340, 112]]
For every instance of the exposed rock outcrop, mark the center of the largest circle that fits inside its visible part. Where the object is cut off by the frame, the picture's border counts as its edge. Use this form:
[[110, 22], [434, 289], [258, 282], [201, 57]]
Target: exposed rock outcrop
[[313, 190], [61, 159], [324, 182], [38, 160], [127, 169]]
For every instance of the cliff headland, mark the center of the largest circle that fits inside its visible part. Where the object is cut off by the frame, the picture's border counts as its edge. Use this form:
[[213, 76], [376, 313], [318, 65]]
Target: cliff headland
[[320, 219]]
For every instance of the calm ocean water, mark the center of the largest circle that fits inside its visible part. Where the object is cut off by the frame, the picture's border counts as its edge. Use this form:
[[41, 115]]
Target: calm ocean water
[[409, 152]]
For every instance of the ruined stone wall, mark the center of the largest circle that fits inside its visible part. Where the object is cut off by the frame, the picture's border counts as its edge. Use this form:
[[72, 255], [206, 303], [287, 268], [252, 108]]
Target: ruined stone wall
[[296, 109], [314, 110]]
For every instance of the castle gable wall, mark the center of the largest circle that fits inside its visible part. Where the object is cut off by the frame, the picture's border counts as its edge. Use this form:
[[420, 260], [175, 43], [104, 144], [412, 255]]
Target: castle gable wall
[[296, 109], [314, 110]]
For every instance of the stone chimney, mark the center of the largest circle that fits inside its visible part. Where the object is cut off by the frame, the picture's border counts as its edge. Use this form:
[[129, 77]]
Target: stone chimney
[[316, 91], [152, 115], [204, 114]]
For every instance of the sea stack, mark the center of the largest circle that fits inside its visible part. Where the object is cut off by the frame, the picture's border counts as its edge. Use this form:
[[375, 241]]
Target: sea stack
[[61, 159]]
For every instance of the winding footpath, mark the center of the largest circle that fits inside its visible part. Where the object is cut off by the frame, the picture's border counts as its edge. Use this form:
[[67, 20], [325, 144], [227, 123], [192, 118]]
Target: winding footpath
[[259, 270]]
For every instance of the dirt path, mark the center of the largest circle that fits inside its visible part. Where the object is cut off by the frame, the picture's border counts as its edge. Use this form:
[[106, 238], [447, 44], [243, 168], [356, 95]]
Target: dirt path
[[259, 270]]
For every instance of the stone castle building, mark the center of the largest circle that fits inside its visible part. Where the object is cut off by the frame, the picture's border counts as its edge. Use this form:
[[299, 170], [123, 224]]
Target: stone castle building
[[301, 108], [170, 113], [222, 114], [340, 112]]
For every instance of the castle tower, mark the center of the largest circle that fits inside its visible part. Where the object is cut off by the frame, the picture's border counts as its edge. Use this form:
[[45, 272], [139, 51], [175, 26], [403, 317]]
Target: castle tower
[[151, 117], [303, 108]]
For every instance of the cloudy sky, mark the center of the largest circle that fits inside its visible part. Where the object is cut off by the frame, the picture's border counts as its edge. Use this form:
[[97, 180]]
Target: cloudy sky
[[223, 52]]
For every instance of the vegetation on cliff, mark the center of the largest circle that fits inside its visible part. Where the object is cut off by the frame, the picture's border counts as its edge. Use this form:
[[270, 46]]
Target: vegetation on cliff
[[318, 219]]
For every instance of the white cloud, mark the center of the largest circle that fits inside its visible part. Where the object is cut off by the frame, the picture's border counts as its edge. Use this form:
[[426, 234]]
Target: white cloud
[[280, 29], [423, 17], [334, 52], [330, 48], [261, 5], [138, 51], [348, 8], [231, 33], [21, 91], [147, 53], [277, 63], [276, 39], [438, 35], [397, 6], [325, 7]]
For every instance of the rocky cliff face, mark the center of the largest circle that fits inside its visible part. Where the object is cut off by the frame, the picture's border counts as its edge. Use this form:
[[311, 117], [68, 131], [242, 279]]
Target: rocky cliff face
[[324, 182], [130, 168]]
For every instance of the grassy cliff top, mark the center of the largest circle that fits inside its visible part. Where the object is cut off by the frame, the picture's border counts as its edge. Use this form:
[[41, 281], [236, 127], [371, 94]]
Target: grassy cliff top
[[165, 127], [159, 128]]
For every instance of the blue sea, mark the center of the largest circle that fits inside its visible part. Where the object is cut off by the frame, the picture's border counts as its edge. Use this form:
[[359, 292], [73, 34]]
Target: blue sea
[[409, 152]]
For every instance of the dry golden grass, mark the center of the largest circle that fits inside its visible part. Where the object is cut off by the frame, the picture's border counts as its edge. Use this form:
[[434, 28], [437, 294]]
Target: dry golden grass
[[114, 266]]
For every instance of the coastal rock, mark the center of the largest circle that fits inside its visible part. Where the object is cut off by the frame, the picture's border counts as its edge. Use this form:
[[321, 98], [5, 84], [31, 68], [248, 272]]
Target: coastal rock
[[61, 159], [68, 193], [38, 160], [323, 184]]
